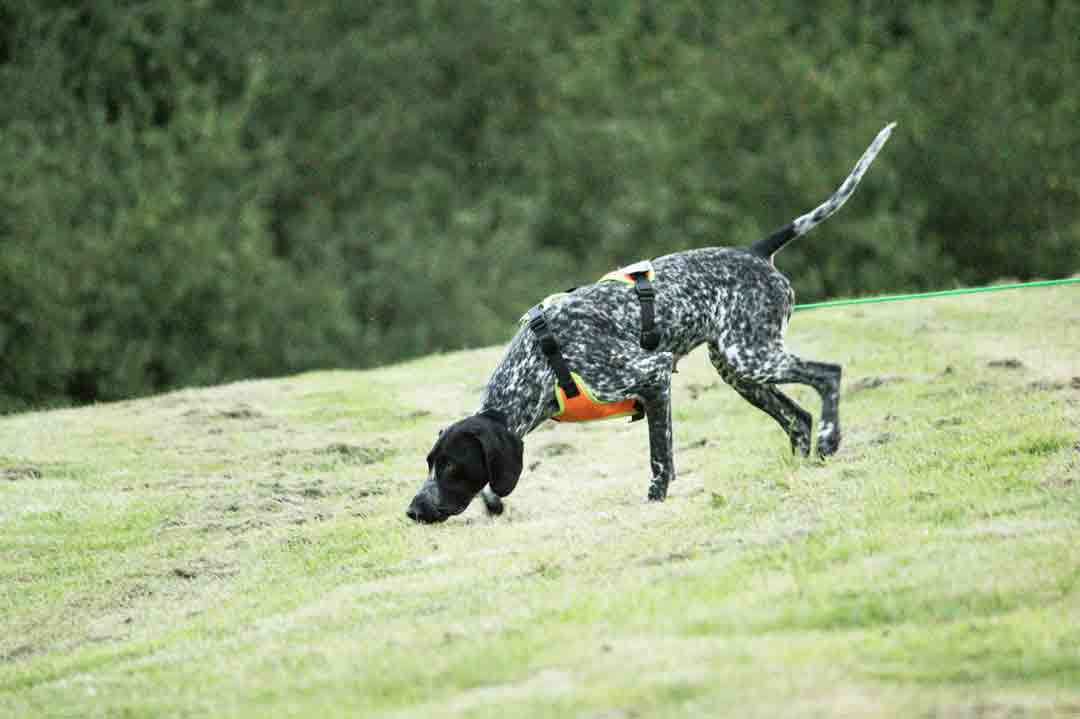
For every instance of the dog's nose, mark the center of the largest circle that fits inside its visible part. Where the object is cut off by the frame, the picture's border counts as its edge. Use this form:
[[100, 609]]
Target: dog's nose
[[423, 509], [418, 509]]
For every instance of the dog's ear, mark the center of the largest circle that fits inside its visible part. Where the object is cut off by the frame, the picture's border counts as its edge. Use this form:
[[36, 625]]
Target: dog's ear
[[503, 454]]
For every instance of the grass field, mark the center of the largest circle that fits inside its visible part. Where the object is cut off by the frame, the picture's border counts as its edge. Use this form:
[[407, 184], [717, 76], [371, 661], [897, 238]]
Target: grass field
[[242, 551]]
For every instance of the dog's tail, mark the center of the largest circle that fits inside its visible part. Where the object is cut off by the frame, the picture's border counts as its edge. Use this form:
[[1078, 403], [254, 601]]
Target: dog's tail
[[772, 244]]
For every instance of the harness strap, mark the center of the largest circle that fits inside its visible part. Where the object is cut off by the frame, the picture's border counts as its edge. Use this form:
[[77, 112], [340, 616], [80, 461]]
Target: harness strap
[[646, 294], [550, 347]]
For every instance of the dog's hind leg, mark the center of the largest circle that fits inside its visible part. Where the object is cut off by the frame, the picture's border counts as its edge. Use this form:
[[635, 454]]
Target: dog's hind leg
[[793, 419], [825, 378], [771, 364]]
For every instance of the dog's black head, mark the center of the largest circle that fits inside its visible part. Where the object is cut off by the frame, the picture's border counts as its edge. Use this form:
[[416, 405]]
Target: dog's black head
[[476, 451]]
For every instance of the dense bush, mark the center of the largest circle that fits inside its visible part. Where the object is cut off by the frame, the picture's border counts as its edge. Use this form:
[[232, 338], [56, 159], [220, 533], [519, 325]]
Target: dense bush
[[209, 190]]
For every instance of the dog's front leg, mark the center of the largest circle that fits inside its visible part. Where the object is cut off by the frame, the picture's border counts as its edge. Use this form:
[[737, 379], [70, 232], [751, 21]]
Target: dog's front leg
[[661, 458]]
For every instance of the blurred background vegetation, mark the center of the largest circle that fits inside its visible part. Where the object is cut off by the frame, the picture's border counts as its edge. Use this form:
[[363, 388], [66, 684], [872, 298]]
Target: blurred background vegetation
[[206, 190]]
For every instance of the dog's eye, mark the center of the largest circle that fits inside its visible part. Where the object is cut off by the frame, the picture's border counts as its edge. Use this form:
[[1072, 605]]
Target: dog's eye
[[445, 466]]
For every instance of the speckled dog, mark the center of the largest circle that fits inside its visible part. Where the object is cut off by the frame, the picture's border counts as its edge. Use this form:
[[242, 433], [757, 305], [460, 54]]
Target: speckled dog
[[733, 300]]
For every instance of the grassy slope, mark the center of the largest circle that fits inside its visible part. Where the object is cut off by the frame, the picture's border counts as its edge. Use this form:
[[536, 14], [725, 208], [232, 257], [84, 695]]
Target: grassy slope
[[242, 550]]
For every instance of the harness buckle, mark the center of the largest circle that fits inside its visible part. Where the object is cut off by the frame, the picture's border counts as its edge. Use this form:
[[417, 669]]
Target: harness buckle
[[570, 389], [537, 323], [548, 345], [642, 285]]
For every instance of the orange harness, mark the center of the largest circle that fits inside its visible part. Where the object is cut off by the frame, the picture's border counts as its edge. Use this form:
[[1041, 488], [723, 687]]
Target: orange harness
[[583, 407], [576, 402]]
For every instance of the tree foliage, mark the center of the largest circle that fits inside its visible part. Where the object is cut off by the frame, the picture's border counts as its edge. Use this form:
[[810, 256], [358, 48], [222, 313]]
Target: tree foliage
[[204, 191]]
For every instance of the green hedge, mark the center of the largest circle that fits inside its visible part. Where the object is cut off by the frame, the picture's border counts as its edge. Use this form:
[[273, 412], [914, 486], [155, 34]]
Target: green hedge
[[202, 191]]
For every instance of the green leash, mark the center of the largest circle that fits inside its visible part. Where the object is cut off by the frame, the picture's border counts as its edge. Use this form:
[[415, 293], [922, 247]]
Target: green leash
[[942, 293]]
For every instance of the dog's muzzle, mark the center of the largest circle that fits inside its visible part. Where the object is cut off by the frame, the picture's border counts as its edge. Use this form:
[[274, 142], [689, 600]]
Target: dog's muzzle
[[426, 506], [422, 509]]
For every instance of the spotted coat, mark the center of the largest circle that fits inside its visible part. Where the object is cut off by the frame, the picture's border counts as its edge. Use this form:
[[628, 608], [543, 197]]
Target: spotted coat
[[732, 300]]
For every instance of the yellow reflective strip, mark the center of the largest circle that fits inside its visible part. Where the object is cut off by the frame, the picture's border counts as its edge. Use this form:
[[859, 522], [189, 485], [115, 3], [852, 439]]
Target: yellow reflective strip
[[592, 398], [585, 388], [621, 276], [616, 277]]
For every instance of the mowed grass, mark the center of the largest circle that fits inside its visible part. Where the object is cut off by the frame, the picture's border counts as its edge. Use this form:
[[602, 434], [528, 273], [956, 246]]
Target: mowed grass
[[242, 551]]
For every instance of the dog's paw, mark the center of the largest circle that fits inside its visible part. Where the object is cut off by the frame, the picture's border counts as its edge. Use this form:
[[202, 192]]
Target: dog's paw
[[492, 502], [827, 444], [800, 445], [657, 492]]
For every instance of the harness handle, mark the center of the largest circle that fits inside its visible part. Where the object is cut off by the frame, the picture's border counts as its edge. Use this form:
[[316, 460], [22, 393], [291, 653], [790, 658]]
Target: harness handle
[[646, 294]]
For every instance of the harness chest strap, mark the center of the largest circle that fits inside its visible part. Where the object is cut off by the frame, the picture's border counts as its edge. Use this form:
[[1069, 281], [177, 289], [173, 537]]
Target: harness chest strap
[[576, 403], [550, 347]]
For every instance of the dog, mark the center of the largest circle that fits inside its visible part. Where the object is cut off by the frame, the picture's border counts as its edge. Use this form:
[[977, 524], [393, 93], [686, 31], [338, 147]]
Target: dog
[[731, 299]]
